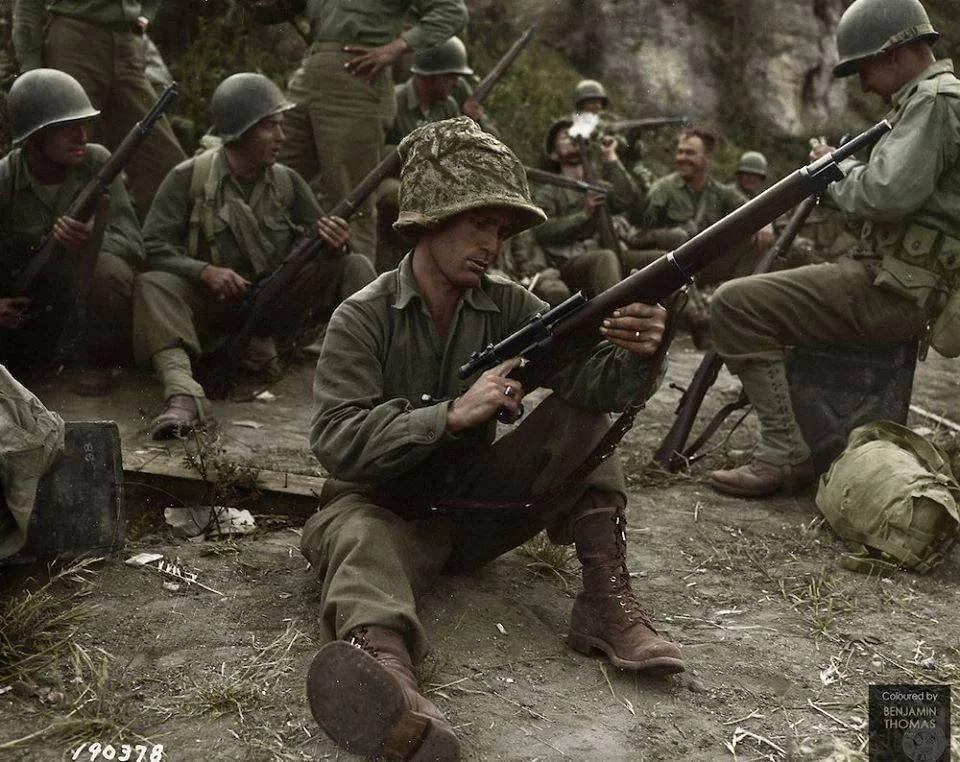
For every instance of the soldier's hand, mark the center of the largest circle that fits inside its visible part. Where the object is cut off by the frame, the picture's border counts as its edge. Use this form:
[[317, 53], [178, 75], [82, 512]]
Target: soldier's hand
[[334, 230], [12, 311], [490, 392], [369, 61], [72, 234], [228, 285], [764, 238], [592, 201], [473, 109], [638, 328], [820, 150], [608, 148]]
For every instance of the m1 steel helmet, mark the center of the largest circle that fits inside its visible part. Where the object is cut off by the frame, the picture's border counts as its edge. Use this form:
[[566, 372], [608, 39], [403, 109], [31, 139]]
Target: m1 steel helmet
[[43, 98], [870, 27], [242, 100], [589, 88], [448, 57]]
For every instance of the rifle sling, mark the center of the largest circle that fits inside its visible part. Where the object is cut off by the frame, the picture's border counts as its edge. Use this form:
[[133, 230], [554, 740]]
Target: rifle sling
[[711, 428]]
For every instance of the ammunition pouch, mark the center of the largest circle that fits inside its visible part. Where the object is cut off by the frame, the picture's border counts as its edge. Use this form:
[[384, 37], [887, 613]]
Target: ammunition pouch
[[922, 264]]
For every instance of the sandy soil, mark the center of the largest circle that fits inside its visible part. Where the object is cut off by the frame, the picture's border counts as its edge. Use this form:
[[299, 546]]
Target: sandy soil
[[780, 641]]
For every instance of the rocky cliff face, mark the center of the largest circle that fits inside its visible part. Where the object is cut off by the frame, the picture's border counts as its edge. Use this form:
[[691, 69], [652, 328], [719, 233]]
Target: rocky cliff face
[[756, 65]]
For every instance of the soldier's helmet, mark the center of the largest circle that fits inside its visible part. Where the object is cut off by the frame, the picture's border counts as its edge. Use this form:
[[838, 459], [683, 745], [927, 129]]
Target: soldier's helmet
[[242, 100], [870, 27], [589, 88], [452, 166], [448, 57], [42, 98], [753, 163], [564, 123]]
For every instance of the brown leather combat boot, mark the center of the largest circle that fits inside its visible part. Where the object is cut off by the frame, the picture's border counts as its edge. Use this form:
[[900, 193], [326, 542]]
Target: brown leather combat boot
[[758, 479], [607, 614], [182, 415], [363, 693]]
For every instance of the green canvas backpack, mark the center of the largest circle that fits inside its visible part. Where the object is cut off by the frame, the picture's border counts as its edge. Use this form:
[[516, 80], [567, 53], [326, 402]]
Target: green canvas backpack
[[892, 496]]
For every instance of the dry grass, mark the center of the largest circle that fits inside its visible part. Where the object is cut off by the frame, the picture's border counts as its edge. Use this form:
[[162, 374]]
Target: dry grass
[[240, 689], [550, 560], [38, 625]]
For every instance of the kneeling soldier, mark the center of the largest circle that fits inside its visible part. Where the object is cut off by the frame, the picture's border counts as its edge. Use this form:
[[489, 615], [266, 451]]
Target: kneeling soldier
[[399, 433], [49, 116], [220, 221]]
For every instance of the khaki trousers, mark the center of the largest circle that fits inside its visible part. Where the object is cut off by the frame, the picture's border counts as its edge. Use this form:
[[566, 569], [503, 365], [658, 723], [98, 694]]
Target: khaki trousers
[[336, 134], [110, 67], [170, 311], [758, 317], [107, 334], [373, 563]]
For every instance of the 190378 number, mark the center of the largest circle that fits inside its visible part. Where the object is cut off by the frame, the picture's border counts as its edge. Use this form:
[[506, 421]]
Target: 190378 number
[[119, 752]]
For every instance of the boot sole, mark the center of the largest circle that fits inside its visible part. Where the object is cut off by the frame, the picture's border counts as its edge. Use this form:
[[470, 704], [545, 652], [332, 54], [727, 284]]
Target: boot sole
[[361, 706], [657, 665], [786, 489]]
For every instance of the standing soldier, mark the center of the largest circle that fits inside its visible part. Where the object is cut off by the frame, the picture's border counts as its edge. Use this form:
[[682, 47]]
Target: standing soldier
[[100, 43], [398, 436], [907, 276], [751, 173], [221, 221], [570, 237], [426, 97], [49, 115], [344, 92]]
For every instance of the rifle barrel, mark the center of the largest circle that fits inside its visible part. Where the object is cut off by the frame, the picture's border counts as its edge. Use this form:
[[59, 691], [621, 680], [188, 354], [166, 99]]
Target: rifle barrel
[[552, 178]]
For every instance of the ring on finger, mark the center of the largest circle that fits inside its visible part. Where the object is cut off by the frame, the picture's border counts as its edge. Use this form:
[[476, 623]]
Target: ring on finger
[[508, 390], [637, 334]]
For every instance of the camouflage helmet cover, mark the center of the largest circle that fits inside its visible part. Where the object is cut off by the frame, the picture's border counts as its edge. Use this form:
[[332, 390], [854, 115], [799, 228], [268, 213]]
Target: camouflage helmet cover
[[448, 57], [242, 100], [452, 166], [564, 123], [753, 163], [870, 27], [43, 98], [589, 88]]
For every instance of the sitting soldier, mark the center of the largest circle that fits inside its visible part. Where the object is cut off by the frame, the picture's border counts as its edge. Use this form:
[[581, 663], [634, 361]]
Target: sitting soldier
[[222, 220], [570, 238], [49, 116]]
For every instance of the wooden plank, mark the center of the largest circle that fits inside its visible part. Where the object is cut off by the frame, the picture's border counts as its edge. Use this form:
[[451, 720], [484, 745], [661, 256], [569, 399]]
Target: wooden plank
[[155, 479]]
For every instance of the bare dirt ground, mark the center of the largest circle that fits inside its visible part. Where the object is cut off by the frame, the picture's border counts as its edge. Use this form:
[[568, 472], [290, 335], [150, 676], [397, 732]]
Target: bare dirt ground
[[780, 641]]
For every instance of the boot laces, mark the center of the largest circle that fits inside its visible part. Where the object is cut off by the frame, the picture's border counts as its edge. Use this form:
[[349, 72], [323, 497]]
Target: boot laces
[[627, 600]]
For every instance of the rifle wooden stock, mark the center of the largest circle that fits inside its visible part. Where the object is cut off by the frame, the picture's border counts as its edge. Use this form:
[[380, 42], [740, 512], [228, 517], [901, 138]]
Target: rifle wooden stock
[[673, 454], [552, 178], [572, 338], [84, 205], [602, 214], [496, 73]]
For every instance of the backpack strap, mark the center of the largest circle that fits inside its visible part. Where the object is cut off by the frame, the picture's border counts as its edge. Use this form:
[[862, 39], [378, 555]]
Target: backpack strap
[[203, 191]]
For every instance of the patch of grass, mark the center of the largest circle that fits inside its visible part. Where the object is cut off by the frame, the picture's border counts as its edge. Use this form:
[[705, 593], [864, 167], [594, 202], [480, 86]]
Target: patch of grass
[[550, 560], [240, 689], [38, 626], [818, 597], [228, 482]]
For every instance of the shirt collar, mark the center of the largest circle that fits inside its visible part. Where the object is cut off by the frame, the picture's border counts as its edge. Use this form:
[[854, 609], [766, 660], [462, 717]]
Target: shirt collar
[[407, 290], [221, 170], [944, 66]]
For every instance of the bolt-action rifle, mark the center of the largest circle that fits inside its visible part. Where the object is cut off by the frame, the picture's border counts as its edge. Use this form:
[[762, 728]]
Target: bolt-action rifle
[[673, 454], [552, 344], [583, 127], [85, 204], [217, 372], [637, 125], [552, 178]]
